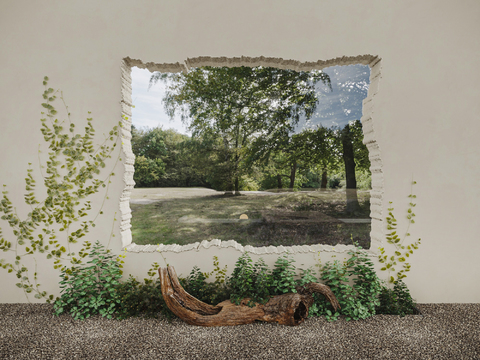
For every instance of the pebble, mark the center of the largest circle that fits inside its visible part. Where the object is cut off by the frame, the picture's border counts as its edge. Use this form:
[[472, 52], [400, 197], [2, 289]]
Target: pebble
[[443, 331]]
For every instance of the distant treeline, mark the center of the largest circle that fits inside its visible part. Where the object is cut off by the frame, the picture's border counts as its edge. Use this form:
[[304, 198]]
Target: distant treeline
[[166, 158]]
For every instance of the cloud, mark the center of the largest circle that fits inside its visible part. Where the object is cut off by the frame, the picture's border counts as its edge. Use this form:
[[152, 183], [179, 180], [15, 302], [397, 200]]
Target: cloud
[[149, 111]]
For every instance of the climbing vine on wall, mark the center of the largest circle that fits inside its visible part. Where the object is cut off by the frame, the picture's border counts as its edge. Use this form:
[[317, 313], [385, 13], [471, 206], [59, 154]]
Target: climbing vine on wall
[[73, 173]]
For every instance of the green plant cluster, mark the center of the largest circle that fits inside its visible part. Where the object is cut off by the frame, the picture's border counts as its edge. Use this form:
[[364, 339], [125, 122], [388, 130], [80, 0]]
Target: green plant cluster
[[71, 176], [357, 301], [90, 290], [141, 300], [396, 301], [209, 292], [255, 282]]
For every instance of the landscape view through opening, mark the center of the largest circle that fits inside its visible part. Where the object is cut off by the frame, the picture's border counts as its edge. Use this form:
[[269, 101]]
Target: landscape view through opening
[[261, 155]]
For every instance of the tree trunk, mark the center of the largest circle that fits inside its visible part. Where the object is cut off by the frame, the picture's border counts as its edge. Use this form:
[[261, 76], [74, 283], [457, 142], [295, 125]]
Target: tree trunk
[[348, 158], [292, 174], [237, 191], [324, 179], [287, 309], [279, 181], [229, 189], [237, 159]]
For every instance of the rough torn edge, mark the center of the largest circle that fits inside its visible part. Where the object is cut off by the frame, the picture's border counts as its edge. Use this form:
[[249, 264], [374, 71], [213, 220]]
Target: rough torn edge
[[205, 244], [376, 194]]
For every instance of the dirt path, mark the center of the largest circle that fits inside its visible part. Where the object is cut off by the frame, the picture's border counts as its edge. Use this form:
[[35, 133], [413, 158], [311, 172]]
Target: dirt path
[[151, 195]]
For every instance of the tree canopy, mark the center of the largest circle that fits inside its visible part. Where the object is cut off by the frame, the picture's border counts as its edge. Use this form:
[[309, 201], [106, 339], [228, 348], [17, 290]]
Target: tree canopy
[[251, 111]]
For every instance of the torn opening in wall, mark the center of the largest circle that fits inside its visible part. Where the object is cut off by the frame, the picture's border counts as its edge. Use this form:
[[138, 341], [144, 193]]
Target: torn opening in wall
[[277, 169]]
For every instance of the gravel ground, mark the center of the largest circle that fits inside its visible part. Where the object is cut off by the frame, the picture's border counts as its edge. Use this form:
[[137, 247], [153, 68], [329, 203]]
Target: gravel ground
[[444, 331]]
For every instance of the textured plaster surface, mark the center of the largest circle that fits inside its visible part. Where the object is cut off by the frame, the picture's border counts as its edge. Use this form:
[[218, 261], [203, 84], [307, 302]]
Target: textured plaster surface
[[420, 117]]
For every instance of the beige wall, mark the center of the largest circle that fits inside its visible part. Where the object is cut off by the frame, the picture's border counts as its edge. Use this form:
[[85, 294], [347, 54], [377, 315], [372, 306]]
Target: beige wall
[[422, 111]]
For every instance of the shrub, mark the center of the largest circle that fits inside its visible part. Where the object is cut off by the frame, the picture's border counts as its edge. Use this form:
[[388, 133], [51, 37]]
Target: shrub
[[358, 301], [366, 282], [335, 276], [364, 180], [137, 299], [283, 276], [247, 183], [396, 301], [92, 288], [212, 293], [250, 281], [312, 179], [364, 298], [196, 285], [148, 171]]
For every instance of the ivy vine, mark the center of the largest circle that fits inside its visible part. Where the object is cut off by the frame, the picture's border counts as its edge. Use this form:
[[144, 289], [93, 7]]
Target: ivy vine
[[70, 178], [401, 252]]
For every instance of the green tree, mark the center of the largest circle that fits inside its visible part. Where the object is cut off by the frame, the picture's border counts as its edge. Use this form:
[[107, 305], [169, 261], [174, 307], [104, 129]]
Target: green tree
[[317, 150], [164, 158], [360, 150], [349, 144], [179, 163], [149, 142], [309, 149], [243, 107], [148, 171]]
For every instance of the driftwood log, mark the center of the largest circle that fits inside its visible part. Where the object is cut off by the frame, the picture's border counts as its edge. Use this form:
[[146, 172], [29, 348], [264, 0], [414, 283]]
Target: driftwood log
[[287, 309]]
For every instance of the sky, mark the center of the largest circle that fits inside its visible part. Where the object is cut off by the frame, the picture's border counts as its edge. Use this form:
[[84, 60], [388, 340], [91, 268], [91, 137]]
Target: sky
[[335, 108]]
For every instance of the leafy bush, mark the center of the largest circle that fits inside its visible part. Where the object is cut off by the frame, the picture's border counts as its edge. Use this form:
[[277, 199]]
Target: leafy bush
[[396, 301], [283, 276], [264, 282], [211, 293], [148, 171], [306, 277], [358, 301], [196, 285], [137, 299], [258, 283], [250, 281], [92, 288], [364, 180], [247, 183], [312, 179], [364, 298], [335, 276], [366, 282]]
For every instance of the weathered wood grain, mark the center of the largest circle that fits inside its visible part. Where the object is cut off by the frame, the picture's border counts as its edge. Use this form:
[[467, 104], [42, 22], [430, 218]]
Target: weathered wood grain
[[287, 309]]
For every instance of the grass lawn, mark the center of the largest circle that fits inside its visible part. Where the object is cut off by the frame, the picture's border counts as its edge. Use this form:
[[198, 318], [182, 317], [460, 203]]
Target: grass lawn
[[183, 216]]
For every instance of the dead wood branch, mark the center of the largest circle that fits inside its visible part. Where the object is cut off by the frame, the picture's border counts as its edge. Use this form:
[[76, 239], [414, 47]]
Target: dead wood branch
[[288, 309]]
